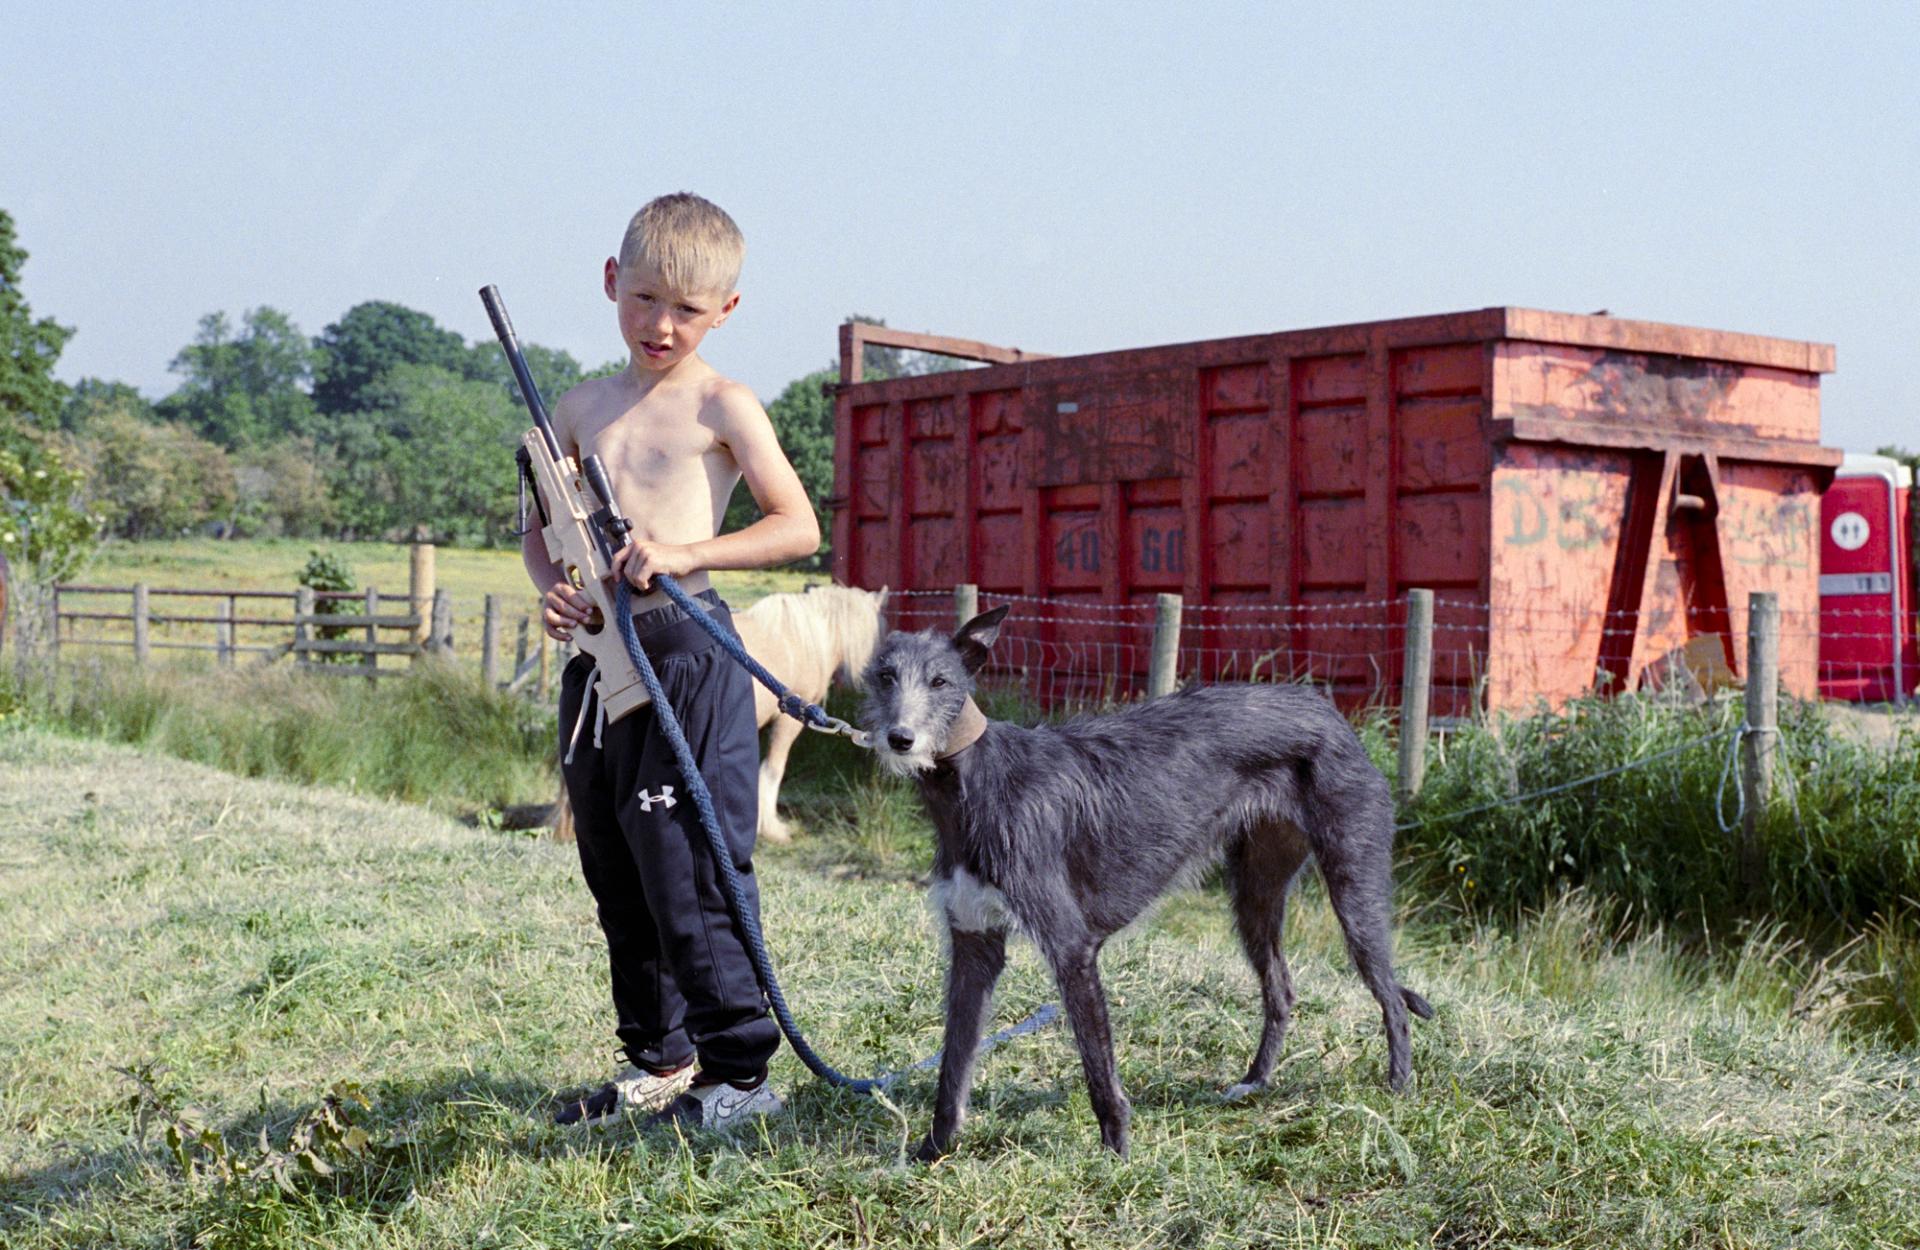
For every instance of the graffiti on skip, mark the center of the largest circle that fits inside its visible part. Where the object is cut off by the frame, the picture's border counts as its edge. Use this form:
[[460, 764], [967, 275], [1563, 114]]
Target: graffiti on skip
[[1528, 514], [1575, 515]]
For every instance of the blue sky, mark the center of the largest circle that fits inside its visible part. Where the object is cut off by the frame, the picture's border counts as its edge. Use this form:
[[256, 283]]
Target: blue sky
[[1061, 177]]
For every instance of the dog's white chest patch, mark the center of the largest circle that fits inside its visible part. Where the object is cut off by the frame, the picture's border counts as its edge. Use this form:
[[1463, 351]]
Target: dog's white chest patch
[[970, 904]]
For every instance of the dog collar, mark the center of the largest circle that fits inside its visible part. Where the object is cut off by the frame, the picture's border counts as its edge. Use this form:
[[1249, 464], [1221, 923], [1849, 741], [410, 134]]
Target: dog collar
[[966, 730]]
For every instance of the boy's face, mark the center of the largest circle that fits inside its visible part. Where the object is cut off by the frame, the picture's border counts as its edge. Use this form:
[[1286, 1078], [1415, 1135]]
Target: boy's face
[[662, 326]]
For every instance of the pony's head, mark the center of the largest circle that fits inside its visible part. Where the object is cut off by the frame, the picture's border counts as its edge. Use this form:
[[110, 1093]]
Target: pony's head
[[854, 620]]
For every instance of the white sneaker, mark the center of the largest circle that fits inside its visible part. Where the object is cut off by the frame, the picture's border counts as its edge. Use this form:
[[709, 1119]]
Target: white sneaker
[[720, 1107], [635, 1091]]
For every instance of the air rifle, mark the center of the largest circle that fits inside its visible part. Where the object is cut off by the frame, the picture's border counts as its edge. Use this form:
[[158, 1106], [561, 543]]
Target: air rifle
[[581, 522]]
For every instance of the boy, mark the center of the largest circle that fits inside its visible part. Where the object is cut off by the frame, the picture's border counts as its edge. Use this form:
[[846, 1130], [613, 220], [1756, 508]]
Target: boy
[[675, 437]]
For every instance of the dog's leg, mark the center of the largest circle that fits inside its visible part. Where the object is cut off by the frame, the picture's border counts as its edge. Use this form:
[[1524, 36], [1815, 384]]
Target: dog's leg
[[1077, 969], [978, 958], [1261, 868], [1356, 862], [773, 769]]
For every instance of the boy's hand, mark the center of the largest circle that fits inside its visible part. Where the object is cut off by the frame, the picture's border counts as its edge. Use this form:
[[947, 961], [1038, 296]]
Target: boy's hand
[[562, 608], [639, 561]]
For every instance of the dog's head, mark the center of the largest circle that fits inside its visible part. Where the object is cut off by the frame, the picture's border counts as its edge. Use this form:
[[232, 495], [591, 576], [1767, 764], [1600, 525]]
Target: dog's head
[[916, 686]]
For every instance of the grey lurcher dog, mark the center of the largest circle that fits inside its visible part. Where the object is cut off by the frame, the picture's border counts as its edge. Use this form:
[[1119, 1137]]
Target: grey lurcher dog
[[1070, 832]]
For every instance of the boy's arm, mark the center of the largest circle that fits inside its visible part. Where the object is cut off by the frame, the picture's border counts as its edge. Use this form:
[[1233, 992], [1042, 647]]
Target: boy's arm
[[787, 529]]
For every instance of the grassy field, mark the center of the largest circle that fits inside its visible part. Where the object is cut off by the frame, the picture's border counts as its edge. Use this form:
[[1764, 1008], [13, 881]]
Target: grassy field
[[250, 943], [468, 575]]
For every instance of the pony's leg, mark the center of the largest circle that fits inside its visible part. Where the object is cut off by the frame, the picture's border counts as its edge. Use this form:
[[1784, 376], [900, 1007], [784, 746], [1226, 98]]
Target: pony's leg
[[773, 768]]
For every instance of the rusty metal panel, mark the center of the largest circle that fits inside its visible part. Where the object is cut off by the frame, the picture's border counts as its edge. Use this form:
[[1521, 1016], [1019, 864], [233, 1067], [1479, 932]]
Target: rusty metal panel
[[1585, 495]]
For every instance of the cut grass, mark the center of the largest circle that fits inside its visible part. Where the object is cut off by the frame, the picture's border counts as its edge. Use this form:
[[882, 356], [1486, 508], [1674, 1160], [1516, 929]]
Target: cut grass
[[262, 940]]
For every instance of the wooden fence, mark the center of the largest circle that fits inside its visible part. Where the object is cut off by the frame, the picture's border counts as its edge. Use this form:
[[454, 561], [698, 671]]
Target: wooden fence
[[228, 612], [318, 628]]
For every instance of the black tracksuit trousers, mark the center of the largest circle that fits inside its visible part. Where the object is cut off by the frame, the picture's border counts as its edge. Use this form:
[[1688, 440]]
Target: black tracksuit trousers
[[683, 983]]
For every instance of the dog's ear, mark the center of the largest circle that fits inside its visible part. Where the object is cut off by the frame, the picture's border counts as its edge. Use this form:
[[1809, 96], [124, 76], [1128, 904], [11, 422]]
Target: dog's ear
[[977, 637]]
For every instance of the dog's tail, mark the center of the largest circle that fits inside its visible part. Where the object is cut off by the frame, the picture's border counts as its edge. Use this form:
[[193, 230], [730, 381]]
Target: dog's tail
[[1416, 1004]]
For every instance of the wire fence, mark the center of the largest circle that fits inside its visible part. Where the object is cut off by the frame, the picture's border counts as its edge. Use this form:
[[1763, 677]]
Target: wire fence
[[1071, 653]]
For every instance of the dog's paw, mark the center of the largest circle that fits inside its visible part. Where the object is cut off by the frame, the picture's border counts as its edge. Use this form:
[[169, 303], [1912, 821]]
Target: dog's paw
[[927, 1151], [1245, 1089]]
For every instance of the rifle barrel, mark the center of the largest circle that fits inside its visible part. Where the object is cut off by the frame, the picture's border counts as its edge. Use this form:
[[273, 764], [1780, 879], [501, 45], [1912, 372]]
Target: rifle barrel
[[517, 360]]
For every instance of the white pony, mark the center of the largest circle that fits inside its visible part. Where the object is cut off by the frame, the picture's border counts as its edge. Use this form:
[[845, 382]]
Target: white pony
[[804, 638]]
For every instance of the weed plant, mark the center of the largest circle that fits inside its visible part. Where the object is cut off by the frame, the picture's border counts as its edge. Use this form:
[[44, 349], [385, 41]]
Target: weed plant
[[1832, 926], [1840, 840]]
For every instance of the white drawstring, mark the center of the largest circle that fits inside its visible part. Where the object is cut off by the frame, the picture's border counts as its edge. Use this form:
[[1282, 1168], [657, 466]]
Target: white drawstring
[[579, 722]]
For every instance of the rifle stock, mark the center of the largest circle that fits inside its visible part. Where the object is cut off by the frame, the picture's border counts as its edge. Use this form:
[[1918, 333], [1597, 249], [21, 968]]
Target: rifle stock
[[583, 526]]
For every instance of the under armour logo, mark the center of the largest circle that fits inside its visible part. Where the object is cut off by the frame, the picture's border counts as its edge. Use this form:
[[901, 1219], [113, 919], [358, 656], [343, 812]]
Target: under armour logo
[[664, 798]]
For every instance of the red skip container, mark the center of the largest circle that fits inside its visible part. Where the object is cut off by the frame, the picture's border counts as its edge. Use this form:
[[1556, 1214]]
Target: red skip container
[[1585, 495]]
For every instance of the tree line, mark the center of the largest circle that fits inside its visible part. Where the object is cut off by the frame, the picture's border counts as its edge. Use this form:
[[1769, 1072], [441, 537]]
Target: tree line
[[385, 425]]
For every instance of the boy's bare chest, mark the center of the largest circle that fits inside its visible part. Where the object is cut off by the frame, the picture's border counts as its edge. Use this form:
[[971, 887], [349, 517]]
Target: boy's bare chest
[[650, 447]]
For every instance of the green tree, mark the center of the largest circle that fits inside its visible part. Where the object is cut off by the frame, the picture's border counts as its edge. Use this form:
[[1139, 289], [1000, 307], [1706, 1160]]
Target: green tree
[[246, 387], [285, 489], [554, 371], [45, 529], [29, 347], [359, 477], [355, 352], [94, 398], [156, 479], [432, 454]]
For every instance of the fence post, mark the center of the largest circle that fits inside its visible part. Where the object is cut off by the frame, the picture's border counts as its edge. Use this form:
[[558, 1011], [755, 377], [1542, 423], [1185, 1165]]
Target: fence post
[[142, 628], [490, 642], [53, 616], [1416, 686], [1763, 705], [546, 649], [223, 633], [302, 631], [373, 634], [520, 648], [1166, 646], [420, 597], [440, 641], [966, 603]]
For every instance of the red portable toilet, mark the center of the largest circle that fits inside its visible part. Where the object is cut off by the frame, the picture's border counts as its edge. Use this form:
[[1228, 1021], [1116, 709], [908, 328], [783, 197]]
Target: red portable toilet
[[1867, 625]]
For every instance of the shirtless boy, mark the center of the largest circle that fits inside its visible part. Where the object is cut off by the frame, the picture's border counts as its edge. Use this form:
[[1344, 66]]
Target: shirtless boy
[[675, 437]]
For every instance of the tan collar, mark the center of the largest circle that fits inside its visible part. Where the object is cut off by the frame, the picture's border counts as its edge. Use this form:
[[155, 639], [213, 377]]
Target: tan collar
[[966, 730]]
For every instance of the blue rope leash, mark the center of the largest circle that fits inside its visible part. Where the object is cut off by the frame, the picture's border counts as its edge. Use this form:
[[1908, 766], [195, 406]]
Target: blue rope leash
[[815, 717]]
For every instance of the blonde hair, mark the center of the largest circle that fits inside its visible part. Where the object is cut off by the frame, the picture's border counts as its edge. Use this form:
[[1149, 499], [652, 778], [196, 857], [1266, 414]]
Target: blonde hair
[[691, 242]]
